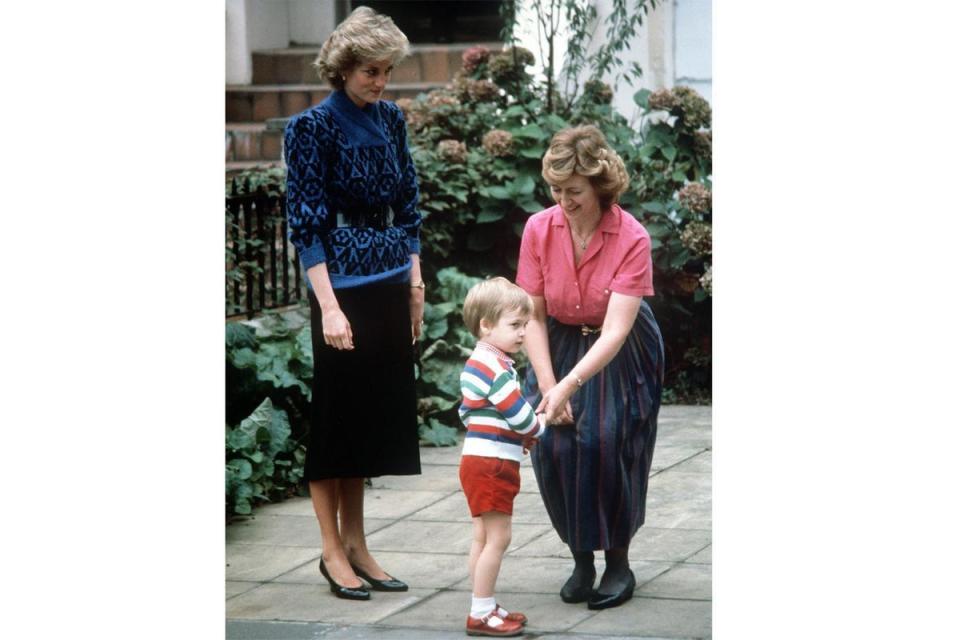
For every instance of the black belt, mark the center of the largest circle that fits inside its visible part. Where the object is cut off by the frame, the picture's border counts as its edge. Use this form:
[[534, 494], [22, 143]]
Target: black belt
[[374, 217]]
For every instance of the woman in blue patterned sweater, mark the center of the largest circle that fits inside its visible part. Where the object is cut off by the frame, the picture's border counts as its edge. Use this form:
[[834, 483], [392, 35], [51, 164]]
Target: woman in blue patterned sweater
[[352, 208]]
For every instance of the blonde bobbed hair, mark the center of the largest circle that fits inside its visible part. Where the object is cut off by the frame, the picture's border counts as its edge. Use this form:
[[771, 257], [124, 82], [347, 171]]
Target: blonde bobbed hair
[[585, 151], [490, 299], [365, 36]]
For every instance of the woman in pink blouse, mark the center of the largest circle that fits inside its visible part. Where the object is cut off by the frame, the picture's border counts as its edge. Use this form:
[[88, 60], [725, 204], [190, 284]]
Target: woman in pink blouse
[[596, 358]]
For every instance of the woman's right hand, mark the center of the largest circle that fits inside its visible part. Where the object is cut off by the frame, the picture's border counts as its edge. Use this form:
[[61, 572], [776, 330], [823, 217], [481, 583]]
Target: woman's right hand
[[556, 405], [336, 329]]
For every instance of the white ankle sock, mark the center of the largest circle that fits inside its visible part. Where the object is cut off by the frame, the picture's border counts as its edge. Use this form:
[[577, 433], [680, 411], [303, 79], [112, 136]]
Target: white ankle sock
[[480, 607], [501, 612]]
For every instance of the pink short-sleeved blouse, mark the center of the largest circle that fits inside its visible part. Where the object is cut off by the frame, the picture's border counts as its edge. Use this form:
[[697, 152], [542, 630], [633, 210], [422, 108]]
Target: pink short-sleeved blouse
[[617, 259]]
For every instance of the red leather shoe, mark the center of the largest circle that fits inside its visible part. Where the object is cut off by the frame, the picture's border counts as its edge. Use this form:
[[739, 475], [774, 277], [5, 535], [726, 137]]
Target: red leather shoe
[[482, 627], [513, 616]]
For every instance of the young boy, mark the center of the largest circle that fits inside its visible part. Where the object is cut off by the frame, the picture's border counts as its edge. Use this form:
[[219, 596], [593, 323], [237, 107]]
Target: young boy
[[500, 424]]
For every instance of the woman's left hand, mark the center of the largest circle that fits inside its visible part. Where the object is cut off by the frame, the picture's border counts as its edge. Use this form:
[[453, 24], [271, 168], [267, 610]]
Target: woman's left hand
[[416, 312]]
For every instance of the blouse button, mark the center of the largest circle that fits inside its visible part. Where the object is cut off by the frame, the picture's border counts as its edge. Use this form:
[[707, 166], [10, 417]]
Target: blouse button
[[578, 306], [606, 290]]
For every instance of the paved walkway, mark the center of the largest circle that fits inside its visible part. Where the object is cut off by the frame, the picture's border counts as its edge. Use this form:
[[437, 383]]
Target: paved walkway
[[420, 530]]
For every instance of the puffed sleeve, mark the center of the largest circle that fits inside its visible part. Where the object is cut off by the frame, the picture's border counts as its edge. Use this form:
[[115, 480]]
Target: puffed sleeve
[[529, 267], [634, 277], [406, 215], [303, 145]]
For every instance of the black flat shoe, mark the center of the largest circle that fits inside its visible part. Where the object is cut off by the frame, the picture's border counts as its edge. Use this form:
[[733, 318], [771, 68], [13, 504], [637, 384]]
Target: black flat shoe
[[347, 593], [574, 592], [606, 601], [390, 584]]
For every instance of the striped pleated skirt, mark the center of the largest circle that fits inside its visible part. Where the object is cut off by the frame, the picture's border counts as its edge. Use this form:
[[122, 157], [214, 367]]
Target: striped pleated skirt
[[593, 476]]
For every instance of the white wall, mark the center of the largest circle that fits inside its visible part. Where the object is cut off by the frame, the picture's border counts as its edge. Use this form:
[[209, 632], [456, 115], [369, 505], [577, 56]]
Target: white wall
[[268, 24], [253, 25], [311, 21], [651, 47], [693, 48], [239, 66]]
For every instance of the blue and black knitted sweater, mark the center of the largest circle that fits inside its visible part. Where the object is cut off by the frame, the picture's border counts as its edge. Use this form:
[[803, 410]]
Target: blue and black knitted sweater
[[342, 162]]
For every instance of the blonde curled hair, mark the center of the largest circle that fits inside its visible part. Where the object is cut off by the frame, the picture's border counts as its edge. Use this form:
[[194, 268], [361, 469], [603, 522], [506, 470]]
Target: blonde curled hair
[[585, 151], [365, 36]]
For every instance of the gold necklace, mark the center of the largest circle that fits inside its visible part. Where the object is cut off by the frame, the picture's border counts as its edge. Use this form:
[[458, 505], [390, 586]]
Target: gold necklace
[[582, 241]]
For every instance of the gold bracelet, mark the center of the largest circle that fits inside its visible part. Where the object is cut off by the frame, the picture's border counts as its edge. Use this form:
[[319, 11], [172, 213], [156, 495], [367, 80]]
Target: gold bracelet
[[418, 285], [578, 379]]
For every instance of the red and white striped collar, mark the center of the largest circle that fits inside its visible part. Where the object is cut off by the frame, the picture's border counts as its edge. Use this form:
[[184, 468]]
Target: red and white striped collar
[[492, 349]]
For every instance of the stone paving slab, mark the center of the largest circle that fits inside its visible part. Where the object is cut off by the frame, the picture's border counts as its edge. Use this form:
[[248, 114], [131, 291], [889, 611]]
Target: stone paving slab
[[686, 581], [236, 587], [392, 504], [449, 609], [430, 571], [666, 456], [425, 536], [315, 603], [445, 482], [650, 543], [264, 562], [700, 463], [652, 617], [260, 630], [679, 500], [288, 531], [551, 573], [704, 556]]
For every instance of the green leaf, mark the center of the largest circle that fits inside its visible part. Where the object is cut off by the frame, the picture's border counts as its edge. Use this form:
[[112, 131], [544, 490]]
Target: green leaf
[[669, 152], [679, 175], [679, 259], [242, 469], [498, 192], [522, 186], [436, 434], [647, 150], [531, 152], [642, 97], [531, 131], [490, 215], [239, 335], [437, 329]]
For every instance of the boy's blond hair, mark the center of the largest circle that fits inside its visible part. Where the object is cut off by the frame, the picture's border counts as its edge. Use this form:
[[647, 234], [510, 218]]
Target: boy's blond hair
[[490, 299]]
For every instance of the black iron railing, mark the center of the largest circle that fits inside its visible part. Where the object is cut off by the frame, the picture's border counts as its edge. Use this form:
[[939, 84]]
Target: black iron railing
[[262, 269]]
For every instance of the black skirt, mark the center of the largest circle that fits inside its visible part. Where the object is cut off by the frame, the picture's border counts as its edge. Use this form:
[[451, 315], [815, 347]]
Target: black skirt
[[363, 416]]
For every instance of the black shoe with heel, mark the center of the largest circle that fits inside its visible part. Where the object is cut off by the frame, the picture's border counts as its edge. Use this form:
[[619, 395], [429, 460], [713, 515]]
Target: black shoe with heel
[[575, 591], [390, 584], [347, 593], [606, 601]]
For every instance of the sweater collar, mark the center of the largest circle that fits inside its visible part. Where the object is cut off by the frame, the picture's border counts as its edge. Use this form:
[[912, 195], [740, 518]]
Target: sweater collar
[[363, 124], [486, 346]]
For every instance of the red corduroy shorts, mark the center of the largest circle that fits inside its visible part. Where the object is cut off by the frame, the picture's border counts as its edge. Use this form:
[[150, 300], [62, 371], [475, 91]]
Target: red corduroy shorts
[[490, 484]]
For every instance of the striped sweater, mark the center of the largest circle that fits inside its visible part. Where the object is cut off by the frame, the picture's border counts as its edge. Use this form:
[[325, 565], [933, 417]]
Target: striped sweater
[[494, 411]]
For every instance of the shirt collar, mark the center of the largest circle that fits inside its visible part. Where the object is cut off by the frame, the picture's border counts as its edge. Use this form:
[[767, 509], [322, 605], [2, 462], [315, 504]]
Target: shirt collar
[[609, 221], [363, 122], [486, 346]]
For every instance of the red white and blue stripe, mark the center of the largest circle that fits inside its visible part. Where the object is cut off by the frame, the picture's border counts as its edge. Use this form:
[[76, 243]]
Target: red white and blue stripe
[[496, 415]]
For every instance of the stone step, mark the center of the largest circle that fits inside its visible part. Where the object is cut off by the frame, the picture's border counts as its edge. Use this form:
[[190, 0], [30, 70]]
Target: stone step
[[236, 167], [258, 103], [252, 142], [426, 63]]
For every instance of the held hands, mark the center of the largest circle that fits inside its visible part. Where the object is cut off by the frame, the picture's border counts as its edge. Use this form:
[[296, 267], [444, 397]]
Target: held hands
[[555, 404], [530, 441], [336, 329]]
